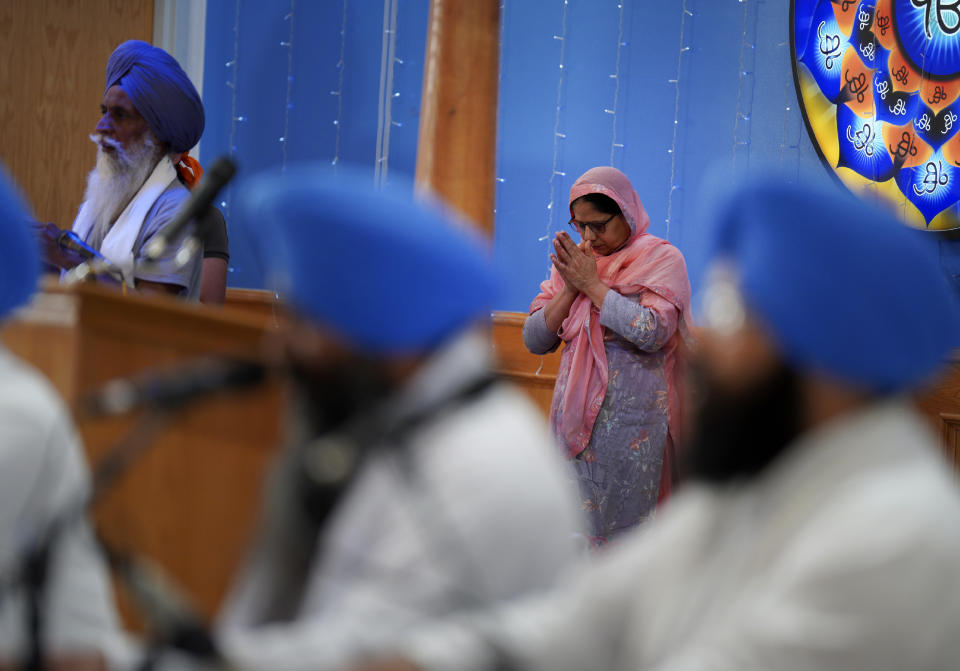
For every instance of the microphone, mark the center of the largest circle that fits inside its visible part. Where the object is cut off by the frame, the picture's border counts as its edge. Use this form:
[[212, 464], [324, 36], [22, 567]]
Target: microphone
[[71, 242], [196, 204], [173, 388]]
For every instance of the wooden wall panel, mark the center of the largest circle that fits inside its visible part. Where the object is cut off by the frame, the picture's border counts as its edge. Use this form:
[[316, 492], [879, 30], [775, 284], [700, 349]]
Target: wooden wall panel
[[53, 54], [534, 374]]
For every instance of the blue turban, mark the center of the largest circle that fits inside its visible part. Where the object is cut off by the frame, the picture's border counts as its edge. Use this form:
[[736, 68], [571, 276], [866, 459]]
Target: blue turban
[[160, 90], [21, 262], [389, 274], [845, 287]]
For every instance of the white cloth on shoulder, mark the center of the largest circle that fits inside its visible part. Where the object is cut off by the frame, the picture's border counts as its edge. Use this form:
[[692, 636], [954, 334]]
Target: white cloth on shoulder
[[119, 242]]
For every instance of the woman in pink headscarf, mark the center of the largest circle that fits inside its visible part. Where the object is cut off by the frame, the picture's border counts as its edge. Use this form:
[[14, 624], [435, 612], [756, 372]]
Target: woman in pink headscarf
[[619, 300]]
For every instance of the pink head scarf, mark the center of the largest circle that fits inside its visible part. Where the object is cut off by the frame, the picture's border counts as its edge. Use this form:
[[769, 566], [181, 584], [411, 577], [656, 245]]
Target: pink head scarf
[[644, 262]]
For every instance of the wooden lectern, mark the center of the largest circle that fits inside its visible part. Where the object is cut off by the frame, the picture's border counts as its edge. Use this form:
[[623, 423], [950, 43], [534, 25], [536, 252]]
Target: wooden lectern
[[191, 501]]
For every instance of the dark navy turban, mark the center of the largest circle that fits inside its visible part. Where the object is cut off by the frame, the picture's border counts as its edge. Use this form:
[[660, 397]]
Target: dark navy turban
[[845, 287], [389, 274], [160, 90], [21, 265]]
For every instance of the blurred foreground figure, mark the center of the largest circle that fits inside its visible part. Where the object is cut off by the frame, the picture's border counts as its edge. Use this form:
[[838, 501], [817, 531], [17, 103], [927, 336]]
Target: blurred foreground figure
[[43, 475], [416, 485], [822, 527]]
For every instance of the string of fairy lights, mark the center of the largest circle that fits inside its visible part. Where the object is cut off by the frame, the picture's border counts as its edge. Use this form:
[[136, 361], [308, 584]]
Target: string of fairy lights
[[683, 49], [387, 94], [235, 118], [790, 138], [555, 170], [622, 26], [498, 179], [745, 86], [338, 92], [288, 104], [612, 110]]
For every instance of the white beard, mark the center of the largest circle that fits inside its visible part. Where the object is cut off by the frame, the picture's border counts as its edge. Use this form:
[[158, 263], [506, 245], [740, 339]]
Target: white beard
[[115, 180]]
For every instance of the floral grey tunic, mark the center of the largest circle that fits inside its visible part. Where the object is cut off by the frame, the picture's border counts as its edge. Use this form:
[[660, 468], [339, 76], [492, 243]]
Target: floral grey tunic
[[619, 472]]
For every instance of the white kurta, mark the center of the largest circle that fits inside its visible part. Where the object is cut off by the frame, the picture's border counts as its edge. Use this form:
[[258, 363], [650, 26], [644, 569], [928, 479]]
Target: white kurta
[[42, 474], [481, 512], [845, 554]]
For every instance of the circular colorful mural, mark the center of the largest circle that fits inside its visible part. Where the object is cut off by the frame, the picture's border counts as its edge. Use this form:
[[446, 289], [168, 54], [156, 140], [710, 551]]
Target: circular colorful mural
[[879, 84]]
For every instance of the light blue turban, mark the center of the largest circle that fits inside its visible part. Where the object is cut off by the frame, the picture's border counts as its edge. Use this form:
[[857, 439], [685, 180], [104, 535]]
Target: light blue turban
[[21, 260], [160, 90], [845, 287], [389, 274]]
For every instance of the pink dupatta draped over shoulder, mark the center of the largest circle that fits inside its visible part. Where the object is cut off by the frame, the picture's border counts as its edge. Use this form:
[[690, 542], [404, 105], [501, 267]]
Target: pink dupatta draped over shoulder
[[644, 262]]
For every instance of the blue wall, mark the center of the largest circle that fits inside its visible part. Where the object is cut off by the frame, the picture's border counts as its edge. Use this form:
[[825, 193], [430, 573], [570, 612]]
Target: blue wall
[[702, 86], [282, 86]]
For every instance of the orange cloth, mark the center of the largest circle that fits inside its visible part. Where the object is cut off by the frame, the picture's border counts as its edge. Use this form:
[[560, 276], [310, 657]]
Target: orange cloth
[[190, 170]]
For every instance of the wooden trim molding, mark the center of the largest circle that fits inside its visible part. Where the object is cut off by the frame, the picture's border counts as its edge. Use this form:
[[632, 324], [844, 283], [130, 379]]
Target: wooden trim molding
[[534, 374], [259, 303]]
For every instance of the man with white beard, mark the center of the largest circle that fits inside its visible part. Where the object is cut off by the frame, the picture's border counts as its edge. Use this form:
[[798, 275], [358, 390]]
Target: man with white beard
[[151, 115]]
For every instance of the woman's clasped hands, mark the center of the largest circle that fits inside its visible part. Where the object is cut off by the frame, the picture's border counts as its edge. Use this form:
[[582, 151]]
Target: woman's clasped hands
[[577, 266], [575, 263]]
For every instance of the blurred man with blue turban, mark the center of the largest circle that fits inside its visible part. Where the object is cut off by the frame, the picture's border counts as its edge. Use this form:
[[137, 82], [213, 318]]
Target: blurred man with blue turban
[[820, 528], [416, 484], [43, 474], [151, 115]]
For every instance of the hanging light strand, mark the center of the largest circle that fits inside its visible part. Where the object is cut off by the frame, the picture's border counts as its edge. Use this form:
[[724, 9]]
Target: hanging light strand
[[288, 104], [684, 13], [235, 117], [741, 123], [339, 92], [557, 135], [614, 145], [500, 180], [791, 131], [387, 94]]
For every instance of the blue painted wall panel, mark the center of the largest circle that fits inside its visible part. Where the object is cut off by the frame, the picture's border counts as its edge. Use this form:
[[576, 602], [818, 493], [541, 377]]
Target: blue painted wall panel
[[730, 60], [310, 94]]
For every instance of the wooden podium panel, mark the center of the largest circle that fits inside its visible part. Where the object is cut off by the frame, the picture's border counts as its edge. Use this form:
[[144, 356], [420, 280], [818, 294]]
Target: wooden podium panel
[[939, 402], [535, 374], [191, 501]]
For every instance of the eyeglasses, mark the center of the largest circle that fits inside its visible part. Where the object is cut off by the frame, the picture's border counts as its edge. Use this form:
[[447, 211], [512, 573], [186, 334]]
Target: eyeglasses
[[597, 227]]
